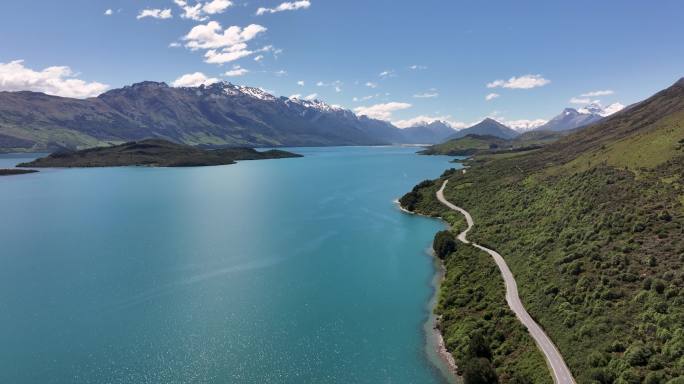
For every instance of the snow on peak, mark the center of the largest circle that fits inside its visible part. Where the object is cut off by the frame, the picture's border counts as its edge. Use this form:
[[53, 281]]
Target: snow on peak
[[314, 104]]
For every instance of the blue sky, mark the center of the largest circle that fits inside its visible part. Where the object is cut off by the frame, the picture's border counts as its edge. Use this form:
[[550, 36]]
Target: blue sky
[[546, 53]]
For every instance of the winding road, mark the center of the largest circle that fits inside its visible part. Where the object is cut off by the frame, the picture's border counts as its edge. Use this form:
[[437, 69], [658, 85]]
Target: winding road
[[560, 371]]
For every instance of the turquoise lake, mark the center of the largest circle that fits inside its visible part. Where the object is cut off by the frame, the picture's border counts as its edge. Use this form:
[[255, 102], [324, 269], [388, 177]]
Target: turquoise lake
[[277, 271]]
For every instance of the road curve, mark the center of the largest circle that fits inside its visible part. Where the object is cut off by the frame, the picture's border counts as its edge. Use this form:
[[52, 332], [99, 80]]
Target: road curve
[[560, 372]]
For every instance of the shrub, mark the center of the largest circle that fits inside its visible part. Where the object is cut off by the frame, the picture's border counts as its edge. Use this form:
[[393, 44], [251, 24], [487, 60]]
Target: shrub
[[637, 355]]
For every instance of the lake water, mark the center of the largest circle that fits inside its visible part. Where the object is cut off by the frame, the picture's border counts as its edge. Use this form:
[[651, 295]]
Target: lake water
[[277, 271]]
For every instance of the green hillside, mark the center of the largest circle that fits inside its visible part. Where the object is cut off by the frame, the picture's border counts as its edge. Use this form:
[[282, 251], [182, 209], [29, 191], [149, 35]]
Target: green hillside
[[592, 226], [480, 144]]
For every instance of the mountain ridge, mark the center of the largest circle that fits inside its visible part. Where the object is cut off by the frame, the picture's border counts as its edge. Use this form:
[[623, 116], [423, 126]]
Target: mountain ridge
[[220, 114]]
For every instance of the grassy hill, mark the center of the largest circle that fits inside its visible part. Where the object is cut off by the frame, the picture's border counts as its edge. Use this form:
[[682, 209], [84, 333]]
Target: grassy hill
[[592, 226], [480, 144]]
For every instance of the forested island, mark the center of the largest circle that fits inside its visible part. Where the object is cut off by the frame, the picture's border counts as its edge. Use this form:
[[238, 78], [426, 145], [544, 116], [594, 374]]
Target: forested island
[[152, 153]]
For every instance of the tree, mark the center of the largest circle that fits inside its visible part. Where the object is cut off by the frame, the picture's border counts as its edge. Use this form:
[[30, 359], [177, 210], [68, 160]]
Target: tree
[[478, 347], [443, 244], [479, 371]]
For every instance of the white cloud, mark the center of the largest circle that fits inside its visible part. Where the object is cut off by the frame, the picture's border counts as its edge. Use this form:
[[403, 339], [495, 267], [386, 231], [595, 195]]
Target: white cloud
[[236, 71], [57, 81], [281, 72], [363, 98], [605, 92], [212, 36], [199, 11], [430, 94], [216, 6], [174, 44], [577, 100], [491, 96], [109, 12], [312, 96], [387, 73], [522, 82], [213, 56], [615, 107], [371, 84], [286, 6], [381, 111], [423, 119], [155, 14], [417, 67], [223, 46], [258, 58], [300, 83], [194, 80]]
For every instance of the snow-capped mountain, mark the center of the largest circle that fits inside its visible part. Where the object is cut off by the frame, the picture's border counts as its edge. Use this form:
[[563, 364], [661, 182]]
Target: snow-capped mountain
[[572, 118], [219, 114]]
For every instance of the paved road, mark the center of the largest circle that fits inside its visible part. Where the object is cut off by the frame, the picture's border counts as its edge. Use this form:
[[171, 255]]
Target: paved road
[[560, 371]]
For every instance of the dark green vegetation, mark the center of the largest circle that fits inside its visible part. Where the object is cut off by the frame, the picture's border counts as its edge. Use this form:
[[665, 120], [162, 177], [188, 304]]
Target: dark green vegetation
[[220, 114], [152, 152], [444, 244], [592, 226], [480, 144], [10, 172]]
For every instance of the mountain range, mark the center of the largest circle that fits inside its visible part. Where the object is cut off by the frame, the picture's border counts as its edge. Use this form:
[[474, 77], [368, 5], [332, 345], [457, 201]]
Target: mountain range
[[221, 114]]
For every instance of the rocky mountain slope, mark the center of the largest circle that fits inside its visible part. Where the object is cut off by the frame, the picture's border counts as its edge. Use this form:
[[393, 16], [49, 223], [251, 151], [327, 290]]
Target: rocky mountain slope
[[220, 114]]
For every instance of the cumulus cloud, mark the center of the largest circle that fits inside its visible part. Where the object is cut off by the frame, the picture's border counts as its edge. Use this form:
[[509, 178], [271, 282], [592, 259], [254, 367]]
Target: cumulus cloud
[[194, 80], [109, 12], [604, 92], [57, 81], [258, 58], [491, 96], [199, 10], [212, 35], [300, 83], [216, 6], [522, 82], [381, 111], [155, 13], [371, 84], [236, 71], [286, 6], [223, 46], [423, 119], [416, 67]]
